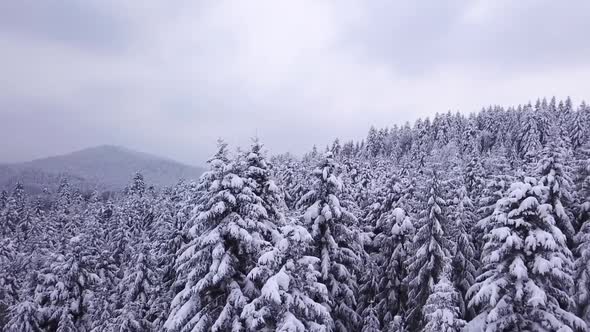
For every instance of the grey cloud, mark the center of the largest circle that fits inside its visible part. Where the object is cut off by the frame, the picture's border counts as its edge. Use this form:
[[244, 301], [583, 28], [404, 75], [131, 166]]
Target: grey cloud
[[86, 25], [526, 34], [515, 34], [169, 78], [409, 36]]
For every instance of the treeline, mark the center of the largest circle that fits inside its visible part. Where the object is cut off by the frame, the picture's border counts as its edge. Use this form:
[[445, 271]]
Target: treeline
[[479, 220]]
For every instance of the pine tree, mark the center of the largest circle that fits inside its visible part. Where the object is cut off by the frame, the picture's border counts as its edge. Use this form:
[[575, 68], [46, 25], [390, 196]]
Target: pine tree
[[258, 173], [397, 325], [468, 139], [14, 212], [137, 211], [582, 272], [430, 248], [463, 261], [10, 275], [543, 120], [292, 297], [168, 238], [386, 197], [133, 218], [530, 142], [565, 111], [23, 318], [577, 134], [370, 320], [368, 287], [137, 293], [526, 275], [394, 244], [3, 199], [336, 149], [555, 175], [227, 237], [336, 243], [292, 182], [494, 190], [65, 287], [582, 241], [474, 177], [373, 145], [441, 311]]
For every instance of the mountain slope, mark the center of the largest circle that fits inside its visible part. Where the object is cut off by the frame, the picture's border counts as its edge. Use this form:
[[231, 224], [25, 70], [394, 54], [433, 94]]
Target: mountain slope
[[103, 167]]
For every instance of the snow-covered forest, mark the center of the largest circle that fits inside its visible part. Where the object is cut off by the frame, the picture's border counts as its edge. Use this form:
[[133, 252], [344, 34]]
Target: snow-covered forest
[[476, 222]]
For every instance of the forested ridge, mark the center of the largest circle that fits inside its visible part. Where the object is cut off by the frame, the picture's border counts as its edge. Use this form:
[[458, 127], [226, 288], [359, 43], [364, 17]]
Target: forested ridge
[[479, 220]]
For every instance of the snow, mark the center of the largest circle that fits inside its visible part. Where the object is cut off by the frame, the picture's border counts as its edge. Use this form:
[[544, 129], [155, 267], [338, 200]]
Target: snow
[[476, 325], [320, 243]]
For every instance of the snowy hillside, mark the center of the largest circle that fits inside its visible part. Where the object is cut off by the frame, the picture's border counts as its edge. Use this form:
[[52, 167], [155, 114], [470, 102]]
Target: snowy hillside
[[105, 167]]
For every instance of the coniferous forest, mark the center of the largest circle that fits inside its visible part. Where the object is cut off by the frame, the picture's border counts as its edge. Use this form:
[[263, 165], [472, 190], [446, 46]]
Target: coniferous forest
[[477, 222]]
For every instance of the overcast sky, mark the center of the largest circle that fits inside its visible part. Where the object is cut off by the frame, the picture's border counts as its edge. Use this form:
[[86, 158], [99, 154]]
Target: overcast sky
[[169, 77]]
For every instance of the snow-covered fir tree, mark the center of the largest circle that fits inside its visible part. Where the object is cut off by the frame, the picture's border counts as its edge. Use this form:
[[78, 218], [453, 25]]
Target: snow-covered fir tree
[[395, 244], [370, 320], [441, 311], [10, 275], [430, 249], [582, 271], [463, 260], [65, 288], [526, 281], [292, 297], [23, 318], [367, 287], [529, 142], [137, 292], [555, 175], [227, 237], [336, 243], [577, 133], [582, 242], [14, 211]]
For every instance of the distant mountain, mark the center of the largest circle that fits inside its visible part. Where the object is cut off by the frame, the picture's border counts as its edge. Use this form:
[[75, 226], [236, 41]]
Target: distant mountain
[[104, 168]]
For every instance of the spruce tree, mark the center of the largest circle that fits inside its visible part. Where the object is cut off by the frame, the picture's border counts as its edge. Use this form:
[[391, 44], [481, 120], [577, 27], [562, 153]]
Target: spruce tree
[[494, 190], [292, 297], [3, 199], [463, 260], [430, 248], [10, 274], [336, 243], [23, 318], [258, 172], [368, 288], [13, 212], [395, 244], [577, 132], [168, 237], [555, 175], [582, 272], [66, 286], [474, 177], [526, 279], [137, 292], [582, 241], [227, 237], [441, 311], [529, 140], [370, 320]]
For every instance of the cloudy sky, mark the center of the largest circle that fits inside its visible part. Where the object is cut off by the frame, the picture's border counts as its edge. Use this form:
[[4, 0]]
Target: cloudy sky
[[169, 77]]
